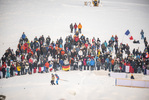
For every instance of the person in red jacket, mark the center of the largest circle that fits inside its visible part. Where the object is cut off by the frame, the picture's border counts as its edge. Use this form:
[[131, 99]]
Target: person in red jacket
[[26, 47], [4, 65], [75, 27], [0, 71], [4, 69], [47, 66]]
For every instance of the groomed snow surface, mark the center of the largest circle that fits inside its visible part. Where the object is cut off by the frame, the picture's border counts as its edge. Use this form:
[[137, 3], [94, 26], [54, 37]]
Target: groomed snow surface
[[75, 85], [53, 17]]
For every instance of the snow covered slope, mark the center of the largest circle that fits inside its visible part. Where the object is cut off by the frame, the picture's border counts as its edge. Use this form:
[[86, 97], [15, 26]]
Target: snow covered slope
[[50, 17], [84, 85], [53, 17]]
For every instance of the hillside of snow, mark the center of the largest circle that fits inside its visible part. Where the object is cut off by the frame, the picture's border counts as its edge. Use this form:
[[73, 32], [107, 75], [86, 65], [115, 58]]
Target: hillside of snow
[[50, 17], [75, 85], [53, 17]]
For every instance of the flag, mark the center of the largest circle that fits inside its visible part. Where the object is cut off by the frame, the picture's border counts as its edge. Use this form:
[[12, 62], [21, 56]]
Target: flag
[[127, 32], [131, 38], [66, 67]]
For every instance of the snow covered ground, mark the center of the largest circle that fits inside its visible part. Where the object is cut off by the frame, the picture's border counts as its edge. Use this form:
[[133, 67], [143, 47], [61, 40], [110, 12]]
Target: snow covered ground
[[85, 85], [53, 17], [50, 17]]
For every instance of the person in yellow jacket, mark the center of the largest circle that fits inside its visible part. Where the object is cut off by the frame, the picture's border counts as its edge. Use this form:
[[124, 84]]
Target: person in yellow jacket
[[79, 27], [98, 52], [18, 68], [52, 79]]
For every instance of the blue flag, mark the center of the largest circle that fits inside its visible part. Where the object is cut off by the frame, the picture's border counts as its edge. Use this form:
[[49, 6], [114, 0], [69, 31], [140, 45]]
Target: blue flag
[[127, 32]]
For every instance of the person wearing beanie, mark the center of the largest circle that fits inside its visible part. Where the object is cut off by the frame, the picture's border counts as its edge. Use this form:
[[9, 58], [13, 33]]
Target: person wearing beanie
[[132, 77], [52, 79]]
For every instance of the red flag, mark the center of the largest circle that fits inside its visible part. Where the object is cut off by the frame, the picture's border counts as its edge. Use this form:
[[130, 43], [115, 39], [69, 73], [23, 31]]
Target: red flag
[[131, 38]]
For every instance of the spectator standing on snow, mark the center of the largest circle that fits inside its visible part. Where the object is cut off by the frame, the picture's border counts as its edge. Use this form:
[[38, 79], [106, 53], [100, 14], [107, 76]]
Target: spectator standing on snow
[[23, 36], [71, 28], [107, 63], [3, 71], [88, 63], [8, 72], [75, 28], [30, 65], [92, 63], [47, 66], [98, 63], [4, 66], [80, 64], [18, 68], [84, 63], [116, 39], [142, 34], [48, 40], [79, 27], [26, 68], [0, 71]]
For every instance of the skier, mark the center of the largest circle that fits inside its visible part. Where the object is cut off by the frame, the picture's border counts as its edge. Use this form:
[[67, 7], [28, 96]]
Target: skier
[[57, 78], [71, 27], [53, 79]]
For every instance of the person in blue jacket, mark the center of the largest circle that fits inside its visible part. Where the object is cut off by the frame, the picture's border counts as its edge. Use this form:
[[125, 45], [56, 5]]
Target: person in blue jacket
[[23, 36], [61, 63], [88, 63], [142, 34], [92, 64], [8, 72], [57, 78], [107, 63], [105, 43]]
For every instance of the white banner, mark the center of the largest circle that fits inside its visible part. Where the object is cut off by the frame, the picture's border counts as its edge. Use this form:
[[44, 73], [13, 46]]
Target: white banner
[[118, 75], [127, 69], [132, 83], [147, 72]]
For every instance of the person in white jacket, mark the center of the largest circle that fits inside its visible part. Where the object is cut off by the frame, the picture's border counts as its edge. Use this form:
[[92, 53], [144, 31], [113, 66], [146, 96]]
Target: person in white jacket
[[80, 64]]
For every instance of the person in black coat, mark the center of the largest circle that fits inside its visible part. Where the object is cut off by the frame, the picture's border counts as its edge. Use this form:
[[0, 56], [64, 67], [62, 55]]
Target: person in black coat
[[132, 77], [48, 40], [11, 70], [55, 64], [4, 72], [71, 27]]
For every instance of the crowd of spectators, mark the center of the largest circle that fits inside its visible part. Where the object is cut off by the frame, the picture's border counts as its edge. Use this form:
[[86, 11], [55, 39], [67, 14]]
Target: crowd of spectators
[[43, 55]]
